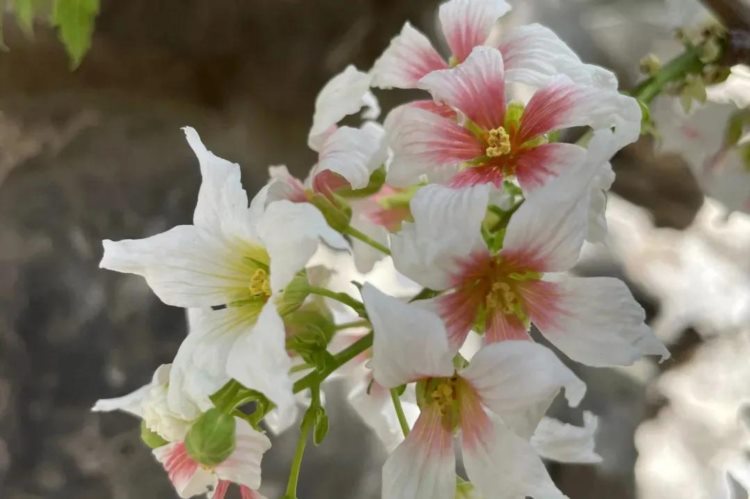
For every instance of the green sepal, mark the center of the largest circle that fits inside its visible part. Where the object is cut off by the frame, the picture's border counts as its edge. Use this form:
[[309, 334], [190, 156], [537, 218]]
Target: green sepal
[[294, 295], [151, 438], [425, 294], [320, 425], [210, 440], [377, 179], [335, 210]]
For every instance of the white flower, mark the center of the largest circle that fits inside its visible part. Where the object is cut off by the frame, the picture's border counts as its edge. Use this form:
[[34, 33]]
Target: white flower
[[592, 320], [495, 403], [232, 263]]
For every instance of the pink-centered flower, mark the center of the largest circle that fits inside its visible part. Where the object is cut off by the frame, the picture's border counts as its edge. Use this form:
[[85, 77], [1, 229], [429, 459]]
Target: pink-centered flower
[[502, 292], [533, 53], [490, 138], [242, 467], [494, 404]]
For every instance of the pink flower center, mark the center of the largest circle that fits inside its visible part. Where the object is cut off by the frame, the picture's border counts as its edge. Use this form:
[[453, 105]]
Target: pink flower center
[[447, 397]]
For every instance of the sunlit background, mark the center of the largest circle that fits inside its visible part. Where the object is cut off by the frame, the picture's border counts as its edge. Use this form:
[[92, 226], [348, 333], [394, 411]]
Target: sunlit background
[[97, 153]]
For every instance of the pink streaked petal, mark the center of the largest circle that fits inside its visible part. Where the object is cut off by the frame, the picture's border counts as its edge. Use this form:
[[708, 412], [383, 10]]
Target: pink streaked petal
[[542, 302], [534, 167], [424, 465], [327, 182], [478, 175], [187, 476], [596, 321], [408, 58], [504, 465], [476, 425], [221, 489], [458, 310], [435, 107], [467, 23], [503, 327], [564, 104], [425, 143], [476, 87]]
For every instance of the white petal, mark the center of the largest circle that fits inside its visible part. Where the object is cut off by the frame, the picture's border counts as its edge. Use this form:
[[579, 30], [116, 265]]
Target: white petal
[[186, 266], [467, 23], [187, 476], [353, 153], [424, 465], [506, 466], [377, 411], [408, 58], [519, 379], [598, 322], [567, 443], [410, 342], [534, 54], [132, 402], [222, 202], [291, 232], [447, 227], [344, 94], [365, 256], [243, 464], [260, 362]]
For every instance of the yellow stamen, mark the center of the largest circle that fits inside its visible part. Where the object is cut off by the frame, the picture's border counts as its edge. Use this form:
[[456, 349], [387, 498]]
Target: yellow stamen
[[260, 284], [498, 142]]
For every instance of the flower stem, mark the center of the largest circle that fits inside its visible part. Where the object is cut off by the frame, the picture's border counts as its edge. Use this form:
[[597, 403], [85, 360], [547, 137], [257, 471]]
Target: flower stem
[[291, 487], [340, 297], [348, 325], [340, 359], [399, 412], [366, 239], [686, 63]]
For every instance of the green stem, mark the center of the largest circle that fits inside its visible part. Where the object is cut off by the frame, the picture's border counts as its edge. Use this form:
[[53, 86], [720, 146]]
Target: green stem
[[340, 297], [348, 325], [399, 412], [366, 239], [340, 359], [291, 487], [686, 63]]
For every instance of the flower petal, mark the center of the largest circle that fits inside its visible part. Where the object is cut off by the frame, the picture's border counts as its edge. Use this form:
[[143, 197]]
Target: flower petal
[[424, 465], [534, 54], [534, 167], [291, 232], [410, 342], [222, 202], [344, 94], [132, 402], [187, 476], [185, 266], [373, 404], [567, 443], [243, 464], [467, 23], [476, 87], [425, 143], [408, 58], [519, 379], [563, 104], [353, 153], [506, 466], [597, 321], [258, 360], [446, 228]]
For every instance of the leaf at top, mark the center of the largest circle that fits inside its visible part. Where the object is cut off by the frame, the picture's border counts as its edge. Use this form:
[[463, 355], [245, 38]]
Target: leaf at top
[[75, 23]]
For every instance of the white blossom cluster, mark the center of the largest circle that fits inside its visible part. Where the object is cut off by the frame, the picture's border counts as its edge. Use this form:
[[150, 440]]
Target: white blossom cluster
[[472, 199]]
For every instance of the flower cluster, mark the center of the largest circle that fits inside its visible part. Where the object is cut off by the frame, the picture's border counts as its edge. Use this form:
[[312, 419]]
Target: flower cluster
[[461, 215]]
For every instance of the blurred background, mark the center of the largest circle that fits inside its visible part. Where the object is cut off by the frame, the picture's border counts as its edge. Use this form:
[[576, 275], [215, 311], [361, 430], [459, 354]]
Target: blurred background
[[97, 153]]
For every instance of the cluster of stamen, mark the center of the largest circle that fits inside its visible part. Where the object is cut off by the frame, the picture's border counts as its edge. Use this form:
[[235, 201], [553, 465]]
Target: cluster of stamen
[[260, 284], [443, 395], [498, 142], [502, 297]]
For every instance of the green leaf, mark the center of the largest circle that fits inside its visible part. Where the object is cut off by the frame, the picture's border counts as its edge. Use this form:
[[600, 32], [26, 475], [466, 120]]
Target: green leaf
[[75, 22], [24, 10]]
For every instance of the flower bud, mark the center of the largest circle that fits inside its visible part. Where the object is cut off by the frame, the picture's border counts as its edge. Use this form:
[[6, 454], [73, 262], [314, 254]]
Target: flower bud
[[211, 438], [336, 211], [294, 295]]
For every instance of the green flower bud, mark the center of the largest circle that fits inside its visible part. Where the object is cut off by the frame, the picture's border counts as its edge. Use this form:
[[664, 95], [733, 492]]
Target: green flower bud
[[211, 438], [151, 438], [294, 295], [335, 209]]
